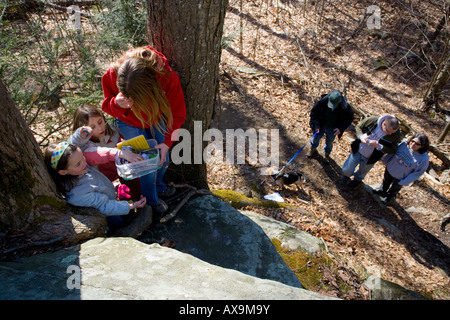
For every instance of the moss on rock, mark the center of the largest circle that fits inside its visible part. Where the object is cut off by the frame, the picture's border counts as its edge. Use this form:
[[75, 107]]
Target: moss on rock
[[306, 267], [238, 200]]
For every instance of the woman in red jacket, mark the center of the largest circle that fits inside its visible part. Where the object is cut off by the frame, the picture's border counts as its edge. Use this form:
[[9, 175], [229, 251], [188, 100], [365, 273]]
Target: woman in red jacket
[[144, 95]]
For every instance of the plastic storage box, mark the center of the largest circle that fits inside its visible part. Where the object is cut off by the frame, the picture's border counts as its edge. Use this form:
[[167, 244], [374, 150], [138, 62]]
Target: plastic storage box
[[129, 171]]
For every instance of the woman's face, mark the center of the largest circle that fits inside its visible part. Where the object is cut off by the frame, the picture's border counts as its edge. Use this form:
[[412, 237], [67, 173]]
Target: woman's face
[[76, 164], [98, 127], [415, 144]]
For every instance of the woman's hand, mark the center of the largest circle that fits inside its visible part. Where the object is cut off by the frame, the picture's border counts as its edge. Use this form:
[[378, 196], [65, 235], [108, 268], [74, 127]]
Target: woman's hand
[[163, 151], [123, 101]]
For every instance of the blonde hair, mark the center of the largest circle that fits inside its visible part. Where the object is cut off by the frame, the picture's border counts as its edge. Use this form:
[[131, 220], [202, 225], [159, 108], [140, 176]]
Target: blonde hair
[[136, 78]]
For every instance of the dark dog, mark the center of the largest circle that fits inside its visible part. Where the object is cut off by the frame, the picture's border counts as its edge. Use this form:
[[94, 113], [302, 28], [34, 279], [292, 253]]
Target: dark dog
[[285, 179]]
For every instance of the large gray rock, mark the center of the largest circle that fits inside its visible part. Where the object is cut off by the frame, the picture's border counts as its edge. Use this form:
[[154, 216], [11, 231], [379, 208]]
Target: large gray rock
[[124, 268], [215, 232], [381, 289], [289, 236]]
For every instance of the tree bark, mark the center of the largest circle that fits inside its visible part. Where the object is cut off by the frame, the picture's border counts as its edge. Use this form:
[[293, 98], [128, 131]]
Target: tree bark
[[438, 81], [24, 176], [189, 34], [30, 209], [444, 133]]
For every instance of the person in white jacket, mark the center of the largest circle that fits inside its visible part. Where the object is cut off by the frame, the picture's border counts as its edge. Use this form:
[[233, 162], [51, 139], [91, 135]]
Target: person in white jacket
[[85, 186], [405, 166]]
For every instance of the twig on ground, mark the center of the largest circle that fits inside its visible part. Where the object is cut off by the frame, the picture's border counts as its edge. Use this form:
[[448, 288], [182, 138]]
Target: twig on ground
[[191, 193]]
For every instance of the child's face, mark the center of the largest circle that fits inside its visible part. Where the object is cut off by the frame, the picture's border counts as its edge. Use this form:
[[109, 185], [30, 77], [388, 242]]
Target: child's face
[[76, 164], [98, 127]]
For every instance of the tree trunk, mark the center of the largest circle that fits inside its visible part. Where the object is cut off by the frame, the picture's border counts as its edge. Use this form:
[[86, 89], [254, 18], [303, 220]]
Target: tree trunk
[[441, 26], [438, 81], [29, 207], [189, 34], [444, 133], [24, 176]]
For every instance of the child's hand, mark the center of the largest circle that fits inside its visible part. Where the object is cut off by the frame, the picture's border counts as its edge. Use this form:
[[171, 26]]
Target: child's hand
[[130, 156], [85, 132], [139, 204]]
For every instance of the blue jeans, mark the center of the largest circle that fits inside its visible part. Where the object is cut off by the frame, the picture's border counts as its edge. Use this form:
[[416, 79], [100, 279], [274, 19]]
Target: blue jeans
[[114, 223], [151, 183], [353, 160], [329, 139]]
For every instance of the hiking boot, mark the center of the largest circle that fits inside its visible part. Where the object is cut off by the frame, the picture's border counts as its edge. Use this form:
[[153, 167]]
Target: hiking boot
[[170, 191], [326, 158], [388, 200], [311, 152], [161, 207], [379, 192]]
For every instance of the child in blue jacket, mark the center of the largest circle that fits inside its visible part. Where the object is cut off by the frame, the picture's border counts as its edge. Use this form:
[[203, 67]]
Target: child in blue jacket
[[85, 186]]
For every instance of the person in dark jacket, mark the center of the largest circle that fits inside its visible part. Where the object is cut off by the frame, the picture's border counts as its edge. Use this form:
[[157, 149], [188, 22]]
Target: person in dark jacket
[[330, 116]]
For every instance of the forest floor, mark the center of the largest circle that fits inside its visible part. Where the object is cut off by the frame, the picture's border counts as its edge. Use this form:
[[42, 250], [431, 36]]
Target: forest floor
[[281, 56]]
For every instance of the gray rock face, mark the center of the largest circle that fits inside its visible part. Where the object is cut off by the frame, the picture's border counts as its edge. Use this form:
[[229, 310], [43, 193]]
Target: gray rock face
[[215, 232], [124, 268], [290, 237], [220, 254], [385, 290]]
